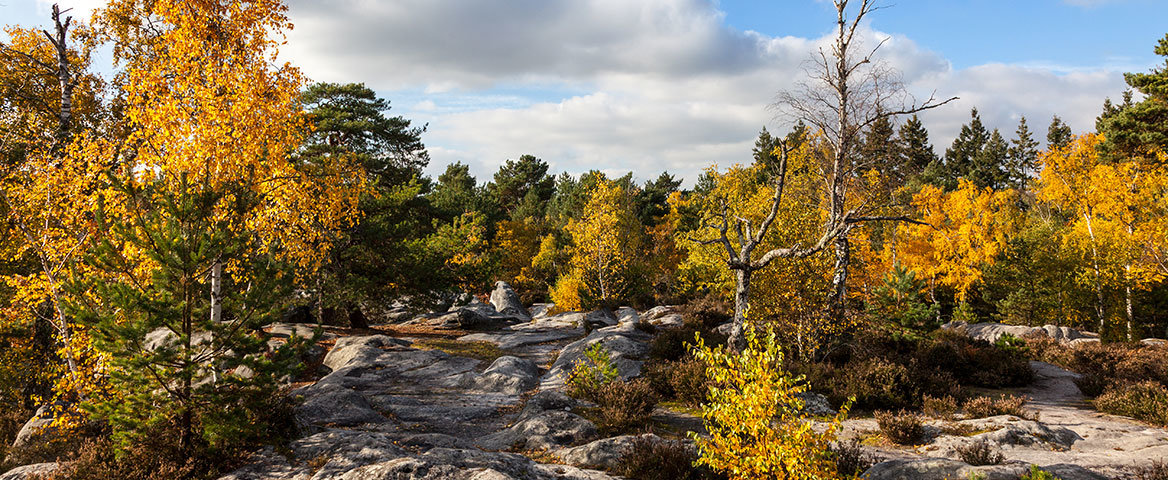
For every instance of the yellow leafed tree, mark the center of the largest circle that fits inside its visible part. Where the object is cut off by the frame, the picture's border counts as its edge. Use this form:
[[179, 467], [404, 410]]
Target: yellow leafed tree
[[1117, 212], [962, 231], [605, 242]]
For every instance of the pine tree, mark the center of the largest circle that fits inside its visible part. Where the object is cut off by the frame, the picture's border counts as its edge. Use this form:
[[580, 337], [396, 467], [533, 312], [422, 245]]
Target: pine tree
[[915, 150], [1023, 156], [1058, 134], [961, 156], [990, 165], [1140, 129], [171, 361]]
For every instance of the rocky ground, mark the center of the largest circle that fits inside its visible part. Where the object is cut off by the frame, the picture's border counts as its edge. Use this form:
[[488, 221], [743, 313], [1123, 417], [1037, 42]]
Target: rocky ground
[[391, 404]]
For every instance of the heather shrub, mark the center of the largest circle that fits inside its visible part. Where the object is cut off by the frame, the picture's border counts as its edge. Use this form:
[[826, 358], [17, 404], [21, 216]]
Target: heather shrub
[[850, 458], [939, 407], [684, 380], [1147, 401], [674, 343], [706, 312], [651, 459], [1091, 384], [1036, 473], [624, 406], [981, 407], [903, 428], [879, 385], [1157, 470], [980, 453]]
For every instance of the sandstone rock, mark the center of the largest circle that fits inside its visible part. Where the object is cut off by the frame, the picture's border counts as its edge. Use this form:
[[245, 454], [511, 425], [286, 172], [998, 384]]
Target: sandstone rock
[[1064, 471], [29, 471], [35, 429], [724, 329], [1008, 430], [545, 401], [626, 347], [286, 330], [666, 321], [508, 375], [506, 301], [627, 316], [941, 469], [604, 453], [353, 351], [815, 404], [657, 312], [345, 450], [991, 332], [544, 431], [335, 406], [540, 310]]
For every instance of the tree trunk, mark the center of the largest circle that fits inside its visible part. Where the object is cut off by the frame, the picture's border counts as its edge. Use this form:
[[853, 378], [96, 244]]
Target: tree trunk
[[839, 282], [1127, 290], [216, 295], [741, 304], [64, 80], [1099, 311]]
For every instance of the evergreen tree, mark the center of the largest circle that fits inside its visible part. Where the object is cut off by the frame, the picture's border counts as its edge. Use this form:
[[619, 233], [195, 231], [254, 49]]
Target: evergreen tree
[[515, 179], [764, 149], [350, 119], [916, 153], [455, 193], [1140, 129], [652, 200], [990, 165], [961, 157], [1023, 156], [171, 362], [1058, 134]]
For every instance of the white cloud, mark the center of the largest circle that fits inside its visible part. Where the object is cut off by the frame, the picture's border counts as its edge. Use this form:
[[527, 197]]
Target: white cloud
[[656, 84]]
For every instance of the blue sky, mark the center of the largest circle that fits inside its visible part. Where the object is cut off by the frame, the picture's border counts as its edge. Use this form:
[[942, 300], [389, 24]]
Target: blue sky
[[649, 85]]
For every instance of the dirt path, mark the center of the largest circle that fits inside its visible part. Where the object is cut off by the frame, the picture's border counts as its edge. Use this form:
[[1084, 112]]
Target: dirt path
[[1108, 443]]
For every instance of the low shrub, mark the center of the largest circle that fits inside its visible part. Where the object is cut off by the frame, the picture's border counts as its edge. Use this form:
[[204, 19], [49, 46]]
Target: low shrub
[[651, 459], [981, 407], [706, 312], [903, 428], [684, 380], [943, 407], [1157, 470], [878, 385], [850, 458], [980, 453], [624, 406], [1147, 401], [673, 343], [591, 373]]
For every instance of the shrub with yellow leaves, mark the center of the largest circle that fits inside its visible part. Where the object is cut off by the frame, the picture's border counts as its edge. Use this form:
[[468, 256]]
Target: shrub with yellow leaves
[[754, 416]]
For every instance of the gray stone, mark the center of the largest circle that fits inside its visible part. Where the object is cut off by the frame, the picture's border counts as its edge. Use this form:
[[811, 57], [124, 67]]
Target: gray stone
[[335, 406], [358, 351], [547, 400], [1008, 430], [666, 321], [35, 429], [508, 375], [941, 469], [724, 329], [604, 453], [540, 310], [506, 301], [284, 331], [815, 404], [28, 471], [344, 450], [991, 332], [626, 348], [657, 312], [1065, 471], [544, 431]]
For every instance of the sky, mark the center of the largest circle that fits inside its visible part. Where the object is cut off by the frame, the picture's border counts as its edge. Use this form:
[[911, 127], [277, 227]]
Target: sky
[[653, 85]]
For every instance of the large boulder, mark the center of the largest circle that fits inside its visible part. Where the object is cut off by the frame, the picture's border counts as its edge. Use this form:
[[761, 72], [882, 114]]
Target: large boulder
[[359, 351], [506, 301], [991, 332], [544, 431], [941, 469], [507, 375], [604, 453], [815, 404], [39, 470], [626, 346], [35, 429], [335, 406], [1007, 431]]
